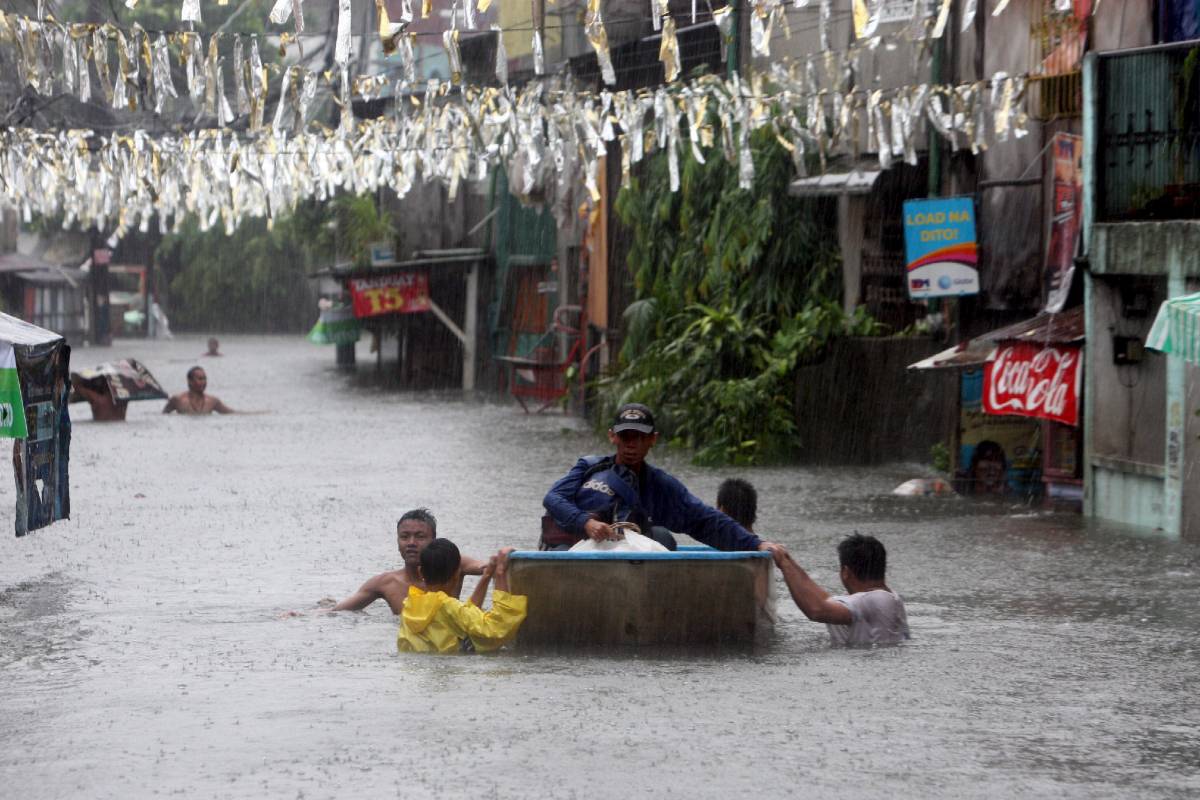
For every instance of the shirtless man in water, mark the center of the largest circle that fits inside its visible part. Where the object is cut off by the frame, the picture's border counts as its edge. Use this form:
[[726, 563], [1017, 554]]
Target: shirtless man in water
[[416, 529], [194, 401]]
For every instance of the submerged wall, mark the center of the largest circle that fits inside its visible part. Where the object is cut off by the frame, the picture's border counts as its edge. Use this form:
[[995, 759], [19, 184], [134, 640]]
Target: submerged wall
[[862, 405]]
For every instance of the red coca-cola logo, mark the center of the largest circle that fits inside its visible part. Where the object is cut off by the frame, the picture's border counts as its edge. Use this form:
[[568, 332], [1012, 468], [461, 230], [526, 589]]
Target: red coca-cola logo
[[1034, 381]]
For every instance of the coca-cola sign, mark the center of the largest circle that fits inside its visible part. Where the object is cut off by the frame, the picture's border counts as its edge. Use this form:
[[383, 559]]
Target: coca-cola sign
[[1031, 380]]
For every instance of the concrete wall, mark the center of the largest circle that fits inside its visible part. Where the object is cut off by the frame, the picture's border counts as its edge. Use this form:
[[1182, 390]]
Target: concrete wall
[[1130, 401]]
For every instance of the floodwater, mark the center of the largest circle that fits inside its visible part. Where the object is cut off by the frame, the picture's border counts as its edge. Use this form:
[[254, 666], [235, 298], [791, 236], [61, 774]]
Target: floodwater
[[143, 651]]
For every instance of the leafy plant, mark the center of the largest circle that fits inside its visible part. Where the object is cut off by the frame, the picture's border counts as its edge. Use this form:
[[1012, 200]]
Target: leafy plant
[[735, 289]]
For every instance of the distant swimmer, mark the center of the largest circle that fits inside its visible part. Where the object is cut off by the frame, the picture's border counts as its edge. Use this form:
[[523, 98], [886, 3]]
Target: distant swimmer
[[414, 532], [738, 500], [870, 614], [214, 347], [194, 402]]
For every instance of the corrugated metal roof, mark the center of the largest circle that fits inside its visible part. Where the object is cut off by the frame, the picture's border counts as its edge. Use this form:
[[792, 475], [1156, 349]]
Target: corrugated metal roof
[[1066, 327]]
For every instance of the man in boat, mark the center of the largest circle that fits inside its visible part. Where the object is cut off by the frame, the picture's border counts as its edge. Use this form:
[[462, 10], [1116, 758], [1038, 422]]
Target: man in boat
[[623, 487], [737, 498], [870, 613], [415, 530], [194, 401]]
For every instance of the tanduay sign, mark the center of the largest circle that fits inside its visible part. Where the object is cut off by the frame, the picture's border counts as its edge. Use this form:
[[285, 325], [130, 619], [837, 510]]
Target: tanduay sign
[[940, 248]]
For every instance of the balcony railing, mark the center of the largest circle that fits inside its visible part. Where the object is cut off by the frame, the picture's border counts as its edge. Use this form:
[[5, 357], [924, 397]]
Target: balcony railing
[[1148, 124]]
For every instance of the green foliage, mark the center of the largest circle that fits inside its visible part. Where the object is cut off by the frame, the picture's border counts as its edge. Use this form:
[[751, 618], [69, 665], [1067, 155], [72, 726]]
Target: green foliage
[[939, 455], [735, 289]]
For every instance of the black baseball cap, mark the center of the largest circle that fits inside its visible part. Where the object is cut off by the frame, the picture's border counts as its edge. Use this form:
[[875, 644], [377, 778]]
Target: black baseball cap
[[633, 417]]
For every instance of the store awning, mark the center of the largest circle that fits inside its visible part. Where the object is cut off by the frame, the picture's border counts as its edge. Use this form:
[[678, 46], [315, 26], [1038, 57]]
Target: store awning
[[857, 181], [1176, 329], [1066, 327]]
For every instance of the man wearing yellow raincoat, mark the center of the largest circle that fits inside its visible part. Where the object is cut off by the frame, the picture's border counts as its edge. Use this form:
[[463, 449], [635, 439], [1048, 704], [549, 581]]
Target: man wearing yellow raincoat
[[433, 621]]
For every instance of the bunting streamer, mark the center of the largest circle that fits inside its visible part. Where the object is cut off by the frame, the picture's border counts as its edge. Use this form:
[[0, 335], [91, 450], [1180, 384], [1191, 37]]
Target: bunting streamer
[[543, 134]]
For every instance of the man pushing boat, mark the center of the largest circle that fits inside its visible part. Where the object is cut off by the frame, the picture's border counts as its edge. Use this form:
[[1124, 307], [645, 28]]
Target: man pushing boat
[[415, 530], [623, 487]]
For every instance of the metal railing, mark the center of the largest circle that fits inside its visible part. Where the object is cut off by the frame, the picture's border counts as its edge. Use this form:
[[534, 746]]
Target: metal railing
[[1148, 133]]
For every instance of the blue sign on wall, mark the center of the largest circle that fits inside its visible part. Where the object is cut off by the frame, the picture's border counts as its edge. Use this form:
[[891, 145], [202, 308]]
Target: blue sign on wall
[[939, 245]]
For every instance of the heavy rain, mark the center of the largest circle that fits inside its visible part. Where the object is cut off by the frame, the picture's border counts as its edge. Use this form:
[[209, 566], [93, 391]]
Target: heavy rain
[[598, 399]]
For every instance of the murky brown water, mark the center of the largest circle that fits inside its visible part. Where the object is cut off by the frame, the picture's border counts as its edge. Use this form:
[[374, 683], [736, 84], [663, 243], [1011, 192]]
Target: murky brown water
[[142, 652]]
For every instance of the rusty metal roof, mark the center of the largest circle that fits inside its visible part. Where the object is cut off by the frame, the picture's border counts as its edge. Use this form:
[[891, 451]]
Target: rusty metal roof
[[1066, 327]]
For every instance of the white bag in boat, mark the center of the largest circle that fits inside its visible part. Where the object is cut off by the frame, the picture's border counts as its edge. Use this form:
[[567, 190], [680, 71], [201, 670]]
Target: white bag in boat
[[632, 543]]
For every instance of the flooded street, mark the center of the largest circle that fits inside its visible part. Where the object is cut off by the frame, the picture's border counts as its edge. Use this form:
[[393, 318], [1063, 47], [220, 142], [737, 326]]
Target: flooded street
[[143, 652]]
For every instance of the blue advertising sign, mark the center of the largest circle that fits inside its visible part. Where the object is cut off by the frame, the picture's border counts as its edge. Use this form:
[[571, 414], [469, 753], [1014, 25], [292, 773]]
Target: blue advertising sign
[[939, 245]]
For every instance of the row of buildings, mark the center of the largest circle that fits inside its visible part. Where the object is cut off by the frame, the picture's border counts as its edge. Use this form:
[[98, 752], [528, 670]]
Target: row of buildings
[[1084, 225]]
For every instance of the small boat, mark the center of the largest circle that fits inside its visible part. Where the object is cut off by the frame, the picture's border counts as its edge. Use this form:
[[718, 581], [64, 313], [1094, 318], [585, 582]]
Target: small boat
[[694, 596]]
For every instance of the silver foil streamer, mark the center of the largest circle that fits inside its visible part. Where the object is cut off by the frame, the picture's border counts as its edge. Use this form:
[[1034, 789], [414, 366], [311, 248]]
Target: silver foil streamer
[[968, 14], [164, 87], [501, 57], [1003, 4], [190, 11], [83, 72], [195, 67], [939, 27], [212, 72], [408, 60], [406, 11], [298, 15], [760, 34], [723, 18], [539, 56], [346, 117], [280, 11], [281, 109], [70, 64], [307, 94], [823, 21], [240, 72], [341, 51]]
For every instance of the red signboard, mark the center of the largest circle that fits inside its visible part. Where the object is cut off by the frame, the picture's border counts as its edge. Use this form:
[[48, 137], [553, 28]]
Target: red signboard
[[1030, 380], [396, 293]]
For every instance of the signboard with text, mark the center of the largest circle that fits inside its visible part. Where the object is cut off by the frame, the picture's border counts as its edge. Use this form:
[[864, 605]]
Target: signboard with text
[[1031, 380], [398, 293], [940, 248], [1066, 213]]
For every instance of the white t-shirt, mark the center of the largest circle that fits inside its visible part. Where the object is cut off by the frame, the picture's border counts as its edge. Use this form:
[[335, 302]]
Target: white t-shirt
[[878, 618]]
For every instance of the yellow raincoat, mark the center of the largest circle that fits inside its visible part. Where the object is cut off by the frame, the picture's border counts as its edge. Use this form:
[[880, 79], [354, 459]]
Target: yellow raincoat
[[435, 622]]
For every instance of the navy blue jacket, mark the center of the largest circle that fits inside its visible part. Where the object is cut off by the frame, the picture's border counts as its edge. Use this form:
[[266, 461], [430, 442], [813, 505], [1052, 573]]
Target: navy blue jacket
[[584, 492]]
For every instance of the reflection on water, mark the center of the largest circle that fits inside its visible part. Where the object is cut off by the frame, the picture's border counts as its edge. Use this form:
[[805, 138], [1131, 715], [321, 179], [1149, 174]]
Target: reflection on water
[[142, 651]]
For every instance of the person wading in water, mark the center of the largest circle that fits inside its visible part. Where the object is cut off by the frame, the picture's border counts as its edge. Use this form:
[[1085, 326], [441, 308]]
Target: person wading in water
[[194, 402]]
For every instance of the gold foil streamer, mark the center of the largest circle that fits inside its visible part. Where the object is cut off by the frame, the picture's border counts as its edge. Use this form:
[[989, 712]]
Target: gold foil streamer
[[100, 57], [453, 55], [389, 31], [598, 38], [212, 73], [257, 84], [668, 51]]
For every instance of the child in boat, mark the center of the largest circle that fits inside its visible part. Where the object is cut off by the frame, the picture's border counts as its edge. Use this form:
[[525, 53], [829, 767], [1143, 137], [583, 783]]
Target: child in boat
[[738, 500], [433, 621]]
